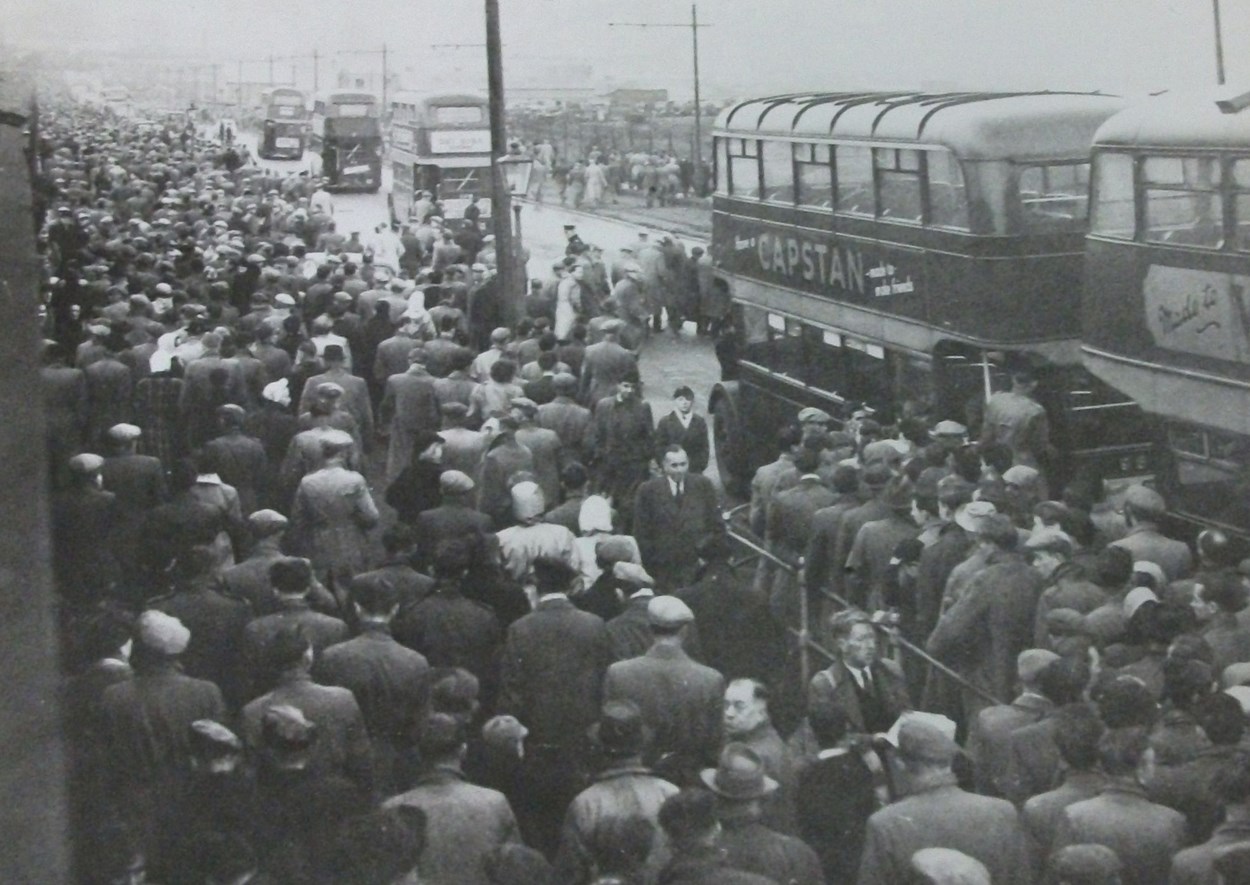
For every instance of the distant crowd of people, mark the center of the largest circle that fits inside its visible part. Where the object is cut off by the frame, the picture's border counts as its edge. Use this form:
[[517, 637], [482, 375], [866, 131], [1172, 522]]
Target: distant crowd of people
[[601, 176]]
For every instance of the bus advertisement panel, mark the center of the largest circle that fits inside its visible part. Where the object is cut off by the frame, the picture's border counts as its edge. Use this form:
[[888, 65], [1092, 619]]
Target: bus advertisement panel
[[904, 255], [1167, 295], [440, 144], [347, 136]]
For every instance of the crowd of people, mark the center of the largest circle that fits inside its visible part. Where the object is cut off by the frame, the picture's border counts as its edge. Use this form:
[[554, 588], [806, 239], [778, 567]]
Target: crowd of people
[[360, 584], [601, 176]]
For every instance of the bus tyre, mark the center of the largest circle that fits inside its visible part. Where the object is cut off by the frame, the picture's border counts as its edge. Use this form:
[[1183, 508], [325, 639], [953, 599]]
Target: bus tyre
[[726, 437]]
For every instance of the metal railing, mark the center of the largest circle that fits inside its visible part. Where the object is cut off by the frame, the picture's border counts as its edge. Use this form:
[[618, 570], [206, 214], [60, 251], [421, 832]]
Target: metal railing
[[803, 634]]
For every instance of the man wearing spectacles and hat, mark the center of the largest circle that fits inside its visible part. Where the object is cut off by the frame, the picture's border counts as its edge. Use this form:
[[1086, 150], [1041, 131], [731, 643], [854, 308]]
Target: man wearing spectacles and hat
[[740, 786], [936, 813], [623, 788]]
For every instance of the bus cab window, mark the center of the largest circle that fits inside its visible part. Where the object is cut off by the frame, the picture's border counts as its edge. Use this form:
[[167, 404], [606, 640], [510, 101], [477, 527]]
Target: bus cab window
[[854, 180], [1113, 214], [1183, 207], [948, 200], [778, 172], [1053, 198], [1212, 473]]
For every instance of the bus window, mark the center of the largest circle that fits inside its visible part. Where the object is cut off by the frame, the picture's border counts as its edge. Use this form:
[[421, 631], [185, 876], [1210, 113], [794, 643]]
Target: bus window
[[948, 200], [868, 376], [824, 360], [899, 182], [744, 168], [1212, 473], [773, 342], [1054, 198], [815, 175], [1241, 206], [1113, 214], [755, 337], [778, 172], [1181, 204], [854, 180], [722, 166]]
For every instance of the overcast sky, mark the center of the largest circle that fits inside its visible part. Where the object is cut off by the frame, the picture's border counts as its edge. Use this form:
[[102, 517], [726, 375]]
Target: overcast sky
[[753, 46]]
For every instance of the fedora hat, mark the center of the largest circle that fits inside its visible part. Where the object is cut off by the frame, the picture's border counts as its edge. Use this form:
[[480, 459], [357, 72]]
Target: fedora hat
[[620, 730], [739, 775]]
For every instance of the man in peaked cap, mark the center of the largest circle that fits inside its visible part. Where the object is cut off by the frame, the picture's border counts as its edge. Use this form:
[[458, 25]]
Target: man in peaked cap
[[83, 519], [680, 699], [147, 721], [138, 481], [936, 813], [623, 788], [741, 785], [1143, 509]]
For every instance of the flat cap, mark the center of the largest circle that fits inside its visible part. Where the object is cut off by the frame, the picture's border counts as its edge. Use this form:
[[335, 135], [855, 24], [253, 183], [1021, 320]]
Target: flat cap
[[1032, 661], [284, 299], [455, 482], [668, 611], [1021, 475], [124, 433], [285, 726], [971, 516], [86, 463], [502, 732], [1146, 500], [949, 428], [213, 736], [926, 736], [162, 633], [813, 415], [1086, 864], [633, 574], [945, 866], [500, 335], [329, 389], [525, 405], [612, 325], [264, 523]]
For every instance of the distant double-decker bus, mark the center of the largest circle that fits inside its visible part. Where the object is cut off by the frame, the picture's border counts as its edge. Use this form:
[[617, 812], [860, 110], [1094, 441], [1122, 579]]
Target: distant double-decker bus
[[904, 253], [346, 134], [1167, 297], [284, 126], [441, 144]]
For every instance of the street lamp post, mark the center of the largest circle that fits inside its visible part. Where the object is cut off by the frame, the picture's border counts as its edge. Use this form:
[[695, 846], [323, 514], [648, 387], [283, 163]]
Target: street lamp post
[[1219, 44], [507, 256]]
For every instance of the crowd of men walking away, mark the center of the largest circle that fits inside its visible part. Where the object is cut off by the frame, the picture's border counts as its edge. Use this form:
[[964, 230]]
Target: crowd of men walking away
[[359, 584], [601, 177]]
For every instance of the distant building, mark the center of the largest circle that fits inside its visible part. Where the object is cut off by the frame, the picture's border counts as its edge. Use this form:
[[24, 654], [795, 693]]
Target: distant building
[[620, 98]]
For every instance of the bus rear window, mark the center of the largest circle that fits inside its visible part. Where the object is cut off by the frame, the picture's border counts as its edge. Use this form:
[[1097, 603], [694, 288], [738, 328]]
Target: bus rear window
[[948, 199], [815, 175], [778, 172], [744, 168], [1054, 197], [899, 191]]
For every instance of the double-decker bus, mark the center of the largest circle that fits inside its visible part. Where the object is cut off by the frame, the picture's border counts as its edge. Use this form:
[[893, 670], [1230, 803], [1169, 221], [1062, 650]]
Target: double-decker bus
[[905, 253], [346, 134], [284, 124], [440, 144], [1167, 295]]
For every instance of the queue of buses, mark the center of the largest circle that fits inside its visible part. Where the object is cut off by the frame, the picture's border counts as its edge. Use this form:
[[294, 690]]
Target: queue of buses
[[438, 143], [905, 252]]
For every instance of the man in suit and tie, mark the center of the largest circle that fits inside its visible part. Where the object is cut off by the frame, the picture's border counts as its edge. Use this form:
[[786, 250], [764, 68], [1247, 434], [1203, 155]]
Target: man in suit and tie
[[672, 514], [869, 689], [684, 428]]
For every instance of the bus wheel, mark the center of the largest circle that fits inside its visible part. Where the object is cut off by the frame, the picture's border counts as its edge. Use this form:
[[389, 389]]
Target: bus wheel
[[726, 437]]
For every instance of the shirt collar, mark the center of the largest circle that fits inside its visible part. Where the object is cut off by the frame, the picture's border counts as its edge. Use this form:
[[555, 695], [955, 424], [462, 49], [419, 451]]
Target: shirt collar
[[832, 752]]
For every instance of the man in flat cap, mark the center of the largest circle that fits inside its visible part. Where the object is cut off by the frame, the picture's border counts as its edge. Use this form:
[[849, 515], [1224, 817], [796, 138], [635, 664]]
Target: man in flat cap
[[463, 447], [455, 517], [693, 831], [342, 747], [554, 645], [623, 789], [147, 722], [604, 365], [409, 407], [109, 387], [138, 481], [332, 516], [355, 399], [630, 631], [249, 580], [241, 460], [84, 517], [680, 699], [545, 445], [936, 813], [565, 415], [990, 732], [398, 569], [1143, 509]]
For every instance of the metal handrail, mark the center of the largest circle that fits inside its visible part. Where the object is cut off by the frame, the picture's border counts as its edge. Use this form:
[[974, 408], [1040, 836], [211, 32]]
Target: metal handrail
[[803, 633]]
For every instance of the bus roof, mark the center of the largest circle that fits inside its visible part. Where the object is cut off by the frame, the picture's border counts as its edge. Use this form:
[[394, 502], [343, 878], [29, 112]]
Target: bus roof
[[1179, 120], [975, 125], [347, 97], [438, 98]]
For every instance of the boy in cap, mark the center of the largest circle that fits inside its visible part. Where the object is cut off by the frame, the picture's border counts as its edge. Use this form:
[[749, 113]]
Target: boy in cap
[[684, 428], [936, 813]]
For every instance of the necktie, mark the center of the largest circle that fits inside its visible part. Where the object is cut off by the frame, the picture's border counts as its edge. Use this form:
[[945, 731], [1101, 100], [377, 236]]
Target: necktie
[[865, 679], [677, 494]]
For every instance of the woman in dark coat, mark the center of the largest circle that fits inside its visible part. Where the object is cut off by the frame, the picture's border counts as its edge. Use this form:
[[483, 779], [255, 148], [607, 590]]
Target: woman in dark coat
[[416, 488]]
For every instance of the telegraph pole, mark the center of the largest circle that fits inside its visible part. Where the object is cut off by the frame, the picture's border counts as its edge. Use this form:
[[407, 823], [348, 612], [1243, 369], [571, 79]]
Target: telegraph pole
[[1219, 44], [510, 277], [384, 105], [698, 111], [271, 70], [240, 84], [316, 71]]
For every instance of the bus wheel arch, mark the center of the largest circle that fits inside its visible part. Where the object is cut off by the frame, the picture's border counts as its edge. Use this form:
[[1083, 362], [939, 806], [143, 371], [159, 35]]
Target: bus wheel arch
[[724, 409]]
